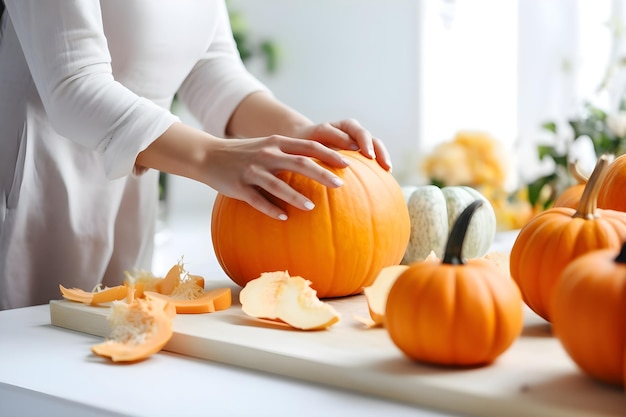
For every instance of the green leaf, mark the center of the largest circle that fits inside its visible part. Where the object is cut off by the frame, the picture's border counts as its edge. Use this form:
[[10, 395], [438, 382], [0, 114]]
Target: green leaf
[[270, 50], [549, 126], [546, 150], [535, 187]]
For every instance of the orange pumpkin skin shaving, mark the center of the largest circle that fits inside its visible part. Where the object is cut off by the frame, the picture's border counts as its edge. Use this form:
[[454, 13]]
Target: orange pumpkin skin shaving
[[340, 246], [95, 297], [589, 314], [141, 328], [209, 301], [557, 236]]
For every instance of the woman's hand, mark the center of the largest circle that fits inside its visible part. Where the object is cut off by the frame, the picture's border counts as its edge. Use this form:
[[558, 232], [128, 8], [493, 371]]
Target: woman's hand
[[246, 169], [260, 114], [347, 134]]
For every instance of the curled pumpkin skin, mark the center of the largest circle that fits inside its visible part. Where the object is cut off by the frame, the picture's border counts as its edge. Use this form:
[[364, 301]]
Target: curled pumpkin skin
[[97, 296], [456, 312], [184, 291], [557, 236], [140, 328]]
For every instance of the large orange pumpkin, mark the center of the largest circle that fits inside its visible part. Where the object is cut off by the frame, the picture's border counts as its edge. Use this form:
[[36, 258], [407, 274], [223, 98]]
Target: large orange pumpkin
[[589, 313], [555, 237], [611, 195], [340, 246], [457, 311]]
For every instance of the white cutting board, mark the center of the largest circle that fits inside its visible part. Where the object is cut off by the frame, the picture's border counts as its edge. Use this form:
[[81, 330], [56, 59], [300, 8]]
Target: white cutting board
[[534, 377]]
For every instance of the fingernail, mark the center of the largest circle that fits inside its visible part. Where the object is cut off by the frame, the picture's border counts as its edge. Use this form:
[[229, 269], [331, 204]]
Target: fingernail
[[282, 217], [309, 205], [337, 181], [354, 147], [345, 161], [370, 152]]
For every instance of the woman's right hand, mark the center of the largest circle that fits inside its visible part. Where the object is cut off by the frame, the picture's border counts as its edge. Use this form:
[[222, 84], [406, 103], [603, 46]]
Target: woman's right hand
[[246, 168]]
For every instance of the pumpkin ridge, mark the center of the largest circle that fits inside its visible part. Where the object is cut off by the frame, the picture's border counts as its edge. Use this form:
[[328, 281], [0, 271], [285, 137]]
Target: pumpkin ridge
[[473, 318], [240, 231], [424, 287], [522, 259], [387, 182], [372, 205], [330, 201], [488, 307], [564, 239]]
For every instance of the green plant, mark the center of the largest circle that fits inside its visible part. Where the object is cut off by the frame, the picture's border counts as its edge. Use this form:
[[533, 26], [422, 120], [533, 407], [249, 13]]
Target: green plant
[[606, 134], [248, 47]]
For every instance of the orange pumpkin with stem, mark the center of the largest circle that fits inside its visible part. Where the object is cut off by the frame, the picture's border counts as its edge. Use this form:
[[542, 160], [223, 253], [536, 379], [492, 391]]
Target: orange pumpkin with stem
[[555, 237], [589, 313], [457, 311], [611, 195], [340, 246], [570, 197]]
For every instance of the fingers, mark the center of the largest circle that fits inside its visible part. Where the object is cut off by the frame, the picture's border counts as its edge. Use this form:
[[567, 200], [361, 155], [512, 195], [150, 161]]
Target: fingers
[[260, 178], [358, 134], [382, 156], [301, 149], [349, 134], [295, 155]]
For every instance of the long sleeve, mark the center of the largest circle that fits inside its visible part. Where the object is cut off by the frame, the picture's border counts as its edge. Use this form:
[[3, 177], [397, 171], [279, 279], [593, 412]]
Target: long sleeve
[[219, 81], [66, 50]]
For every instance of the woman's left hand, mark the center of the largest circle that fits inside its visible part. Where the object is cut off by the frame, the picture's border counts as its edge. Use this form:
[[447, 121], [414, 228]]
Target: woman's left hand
[[348, 134]]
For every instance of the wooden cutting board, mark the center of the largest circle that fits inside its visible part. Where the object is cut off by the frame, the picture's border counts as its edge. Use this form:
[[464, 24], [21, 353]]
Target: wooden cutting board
[[534, 377]]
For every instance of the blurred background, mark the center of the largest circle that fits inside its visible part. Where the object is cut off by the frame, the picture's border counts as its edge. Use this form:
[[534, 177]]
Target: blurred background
[[510, 78]]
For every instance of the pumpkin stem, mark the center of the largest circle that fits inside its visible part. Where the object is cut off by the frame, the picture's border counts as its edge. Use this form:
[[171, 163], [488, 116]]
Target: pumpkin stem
[[576, 172], [454, 246], [589, 200], [621, 258]]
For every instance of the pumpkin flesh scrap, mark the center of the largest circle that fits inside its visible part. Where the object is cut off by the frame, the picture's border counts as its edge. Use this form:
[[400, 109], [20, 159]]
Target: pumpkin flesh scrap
[[278, 296], [140, 328], [208, 301]]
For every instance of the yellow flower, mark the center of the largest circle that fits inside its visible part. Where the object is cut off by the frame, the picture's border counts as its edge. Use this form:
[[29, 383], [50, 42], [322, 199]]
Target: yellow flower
[[471, 158]]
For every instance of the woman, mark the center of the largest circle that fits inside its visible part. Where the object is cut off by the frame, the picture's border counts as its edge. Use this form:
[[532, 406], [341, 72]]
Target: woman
[[85, 88]]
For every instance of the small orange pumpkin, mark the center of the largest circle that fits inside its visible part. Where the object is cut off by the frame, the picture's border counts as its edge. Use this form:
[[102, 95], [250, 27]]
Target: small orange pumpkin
[[555, 237], [611, 195], [570, 197], [340, 246], [589, 313], [457, 311]]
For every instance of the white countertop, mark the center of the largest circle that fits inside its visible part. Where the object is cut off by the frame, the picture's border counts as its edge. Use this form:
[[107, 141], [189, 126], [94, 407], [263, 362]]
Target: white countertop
[[45, 370]]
